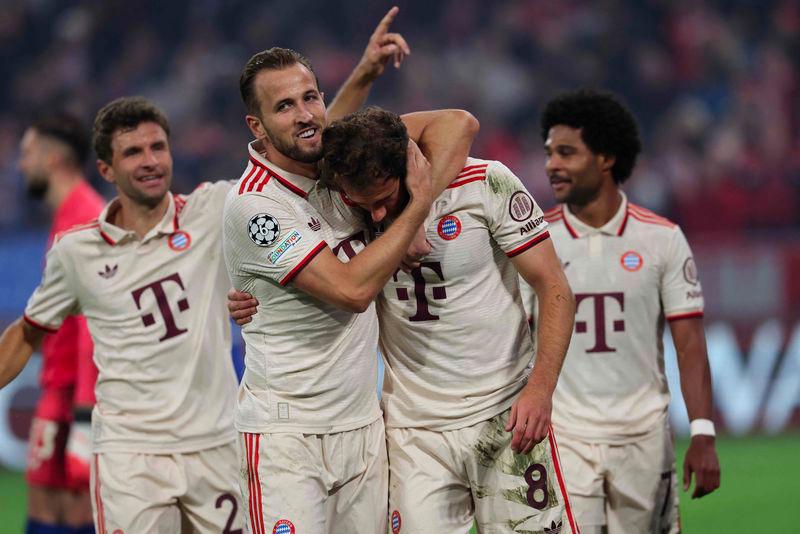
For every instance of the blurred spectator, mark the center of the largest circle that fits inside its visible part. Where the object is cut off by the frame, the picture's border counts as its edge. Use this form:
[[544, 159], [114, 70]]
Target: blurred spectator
[[715, 84]]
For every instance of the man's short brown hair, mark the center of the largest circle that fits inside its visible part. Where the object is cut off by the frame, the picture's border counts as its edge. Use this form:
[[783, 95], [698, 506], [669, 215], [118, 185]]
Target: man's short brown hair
[[364, 147], [275, 58], [123, 114]]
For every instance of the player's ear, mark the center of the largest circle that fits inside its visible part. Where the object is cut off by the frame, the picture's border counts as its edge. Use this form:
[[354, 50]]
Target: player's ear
[[256, 126], [607, 162], [106, 171]]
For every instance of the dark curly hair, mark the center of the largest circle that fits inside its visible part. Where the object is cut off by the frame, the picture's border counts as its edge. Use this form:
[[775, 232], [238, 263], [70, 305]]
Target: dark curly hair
[[607, 126], [364, 147], [123, 114], [67, 129]]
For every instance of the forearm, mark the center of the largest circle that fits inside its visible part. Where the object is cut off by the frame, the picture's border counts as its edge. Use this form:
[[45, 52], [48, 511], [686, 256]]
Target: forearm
[[553, 332], [695, 373], [15, 351], [352, 94], [445, 138]]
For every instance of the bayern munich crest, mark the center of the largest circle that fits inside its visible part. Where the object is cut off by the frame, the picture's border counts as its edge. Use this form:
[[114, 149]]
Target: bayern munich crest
[[631, 261], [179, 240], [283, 526], [397, 522], [449, 227], [263, 229]]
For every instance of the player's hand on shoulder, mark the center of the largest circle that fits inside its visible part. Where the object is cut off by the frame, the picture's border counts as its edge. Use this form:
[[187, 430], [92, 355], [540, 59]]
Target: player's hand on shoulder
[[383, 45], [702, 461], [241, 306], [418, 176], [529, 419]]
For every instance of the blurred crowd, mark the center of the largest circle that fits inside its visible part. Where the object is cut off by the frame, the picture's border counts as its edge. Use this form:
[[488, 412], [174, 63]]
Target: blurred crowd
[[713, 83]]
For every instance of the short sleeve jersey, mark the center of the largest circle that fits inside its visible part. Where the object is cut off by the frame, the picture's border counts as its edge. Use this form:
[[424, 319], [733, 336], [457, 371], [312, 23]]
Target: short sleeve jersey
[[453, 331], [310, 367], [628, 277], [156, 309], [61, 351]]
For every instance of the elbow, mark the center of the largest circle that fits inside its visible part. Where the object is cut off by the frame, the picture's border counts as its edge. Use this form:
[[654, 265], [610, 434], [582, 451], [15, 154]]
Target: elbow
[[467, 123], [357, 300]]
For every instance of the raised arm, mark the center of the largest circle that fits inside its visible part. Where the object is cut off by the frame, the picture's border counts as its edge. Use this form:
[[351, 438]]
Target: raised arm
[[17, 344], [701, 458], [382, 46], [530, 414]]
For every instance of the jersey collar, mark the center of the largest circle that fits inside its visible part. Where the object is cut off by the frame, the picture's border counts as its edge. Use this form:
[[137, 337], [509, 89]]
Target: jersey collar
[[614, 227], [113, 235], [297, 184]]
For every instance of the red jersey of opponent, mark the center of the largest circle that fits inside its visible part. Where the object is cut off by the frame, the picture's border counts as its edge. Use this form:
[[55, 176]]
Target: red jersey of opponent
[[67, 354]]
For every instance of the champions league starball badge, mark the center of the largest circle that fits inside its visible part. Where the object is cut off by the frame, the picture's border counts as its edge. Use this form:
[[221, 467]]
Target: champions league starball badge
[[263, 229]]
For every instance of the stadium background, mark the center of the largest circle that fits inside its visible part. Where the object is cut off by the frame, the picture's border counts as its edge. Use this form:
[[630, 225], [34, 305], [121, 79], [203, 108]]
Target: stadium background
[[715, 85]]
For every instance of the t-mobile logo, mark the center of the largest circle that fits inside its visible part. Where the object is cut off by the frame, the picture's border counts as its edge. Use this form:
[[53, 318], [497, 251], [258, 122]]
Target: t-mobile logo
[[160, 295], [352, 245], [599, 300], [437, 292]]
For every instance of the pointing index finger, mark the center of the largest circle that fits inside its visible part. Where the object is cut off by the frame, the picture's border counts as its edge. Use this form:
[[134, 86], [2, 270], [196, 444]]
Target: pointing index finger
[[386, 21]]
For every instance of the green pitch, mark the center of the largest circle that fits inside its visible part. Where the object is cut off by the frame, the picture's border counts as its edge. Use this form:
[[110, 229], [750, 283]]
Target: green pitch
[[759, 493]]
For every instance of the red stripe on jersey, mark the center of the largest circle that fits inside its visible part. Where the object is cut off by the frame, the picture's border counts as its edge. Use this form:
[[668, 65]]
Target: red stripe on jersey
[[258, 177], [469, 168], [244, 180], [180, 202], [466, 181], [557, 465], [624, 224], [107, 238], [647, 216], [305, 261], [101, 517], [652, 221], [570, 229], [530, 244], [690, 315], [264, 181], [39, 326], [286, 183], [553, 213], [470, 174]]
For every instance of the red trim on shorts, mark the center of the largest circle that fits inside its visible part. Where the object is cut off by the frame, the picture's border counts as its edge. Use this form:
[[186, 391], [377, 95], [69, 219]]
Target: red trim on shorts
[[38, 326], [557, 464], [300, 266], [101, 516], [690, 315], [530, 244], [251, 442]]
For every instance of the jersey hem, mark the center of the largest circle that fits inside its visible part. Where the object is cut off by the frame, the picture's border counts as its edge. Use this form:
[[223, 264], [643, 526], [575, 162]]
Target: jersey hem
[[147, 447], [464, 422], [306, 429], [611, 439], [530, 244], [31, 322]]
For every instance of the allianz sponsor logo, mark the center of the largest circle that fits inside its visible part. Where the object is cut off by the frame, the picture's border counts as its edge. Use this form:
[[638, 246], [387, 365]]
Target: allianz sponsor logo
[[531, 225], [289, 241]]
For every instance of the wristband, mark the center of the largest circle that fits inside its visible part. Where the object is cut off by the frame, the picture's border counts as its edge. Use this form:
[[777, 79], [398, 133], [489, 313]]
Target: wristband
[[702, 427]]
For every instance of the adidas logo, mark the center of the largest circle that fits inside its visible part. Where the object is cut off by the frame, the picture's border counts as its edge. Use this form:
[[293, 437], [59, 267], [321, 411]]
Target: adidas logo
[[109, 272], [314, 224], [554, 528]]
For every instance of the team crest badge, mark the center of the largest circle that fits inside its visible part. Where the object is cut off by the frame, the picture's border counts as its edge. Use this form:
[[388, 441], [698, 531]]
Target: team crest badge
[[520, 206], [631, 261], [179, 241], [283, 526], [449, 227], [397, 522], [263, 229]]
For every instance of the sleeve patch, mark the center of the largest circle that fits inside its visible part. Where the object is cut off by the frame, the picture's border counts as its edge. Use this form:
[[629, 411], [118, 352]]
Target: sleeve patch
[[520, 207], [263, 229], [288, 242], [690, 271]]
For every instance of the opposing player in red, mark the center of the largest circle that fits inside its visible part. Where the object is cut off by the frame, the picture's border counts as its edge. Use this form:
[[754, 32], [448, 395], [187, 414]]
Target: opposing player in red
[[632, 273], [53, 152]]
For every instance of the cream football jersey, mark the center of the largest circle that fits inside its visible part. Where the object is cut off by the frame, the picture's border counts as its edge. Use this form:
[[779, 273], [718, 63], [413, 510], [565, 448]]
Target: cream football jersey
[[156, 310], [310, 367], [453, 331], [628, 277]]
